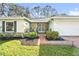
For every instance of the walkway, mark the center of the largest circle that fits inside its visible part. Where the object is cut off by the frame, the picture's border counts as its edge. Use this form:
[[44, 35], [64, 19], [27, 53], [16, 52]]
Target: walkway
[[42, 38]]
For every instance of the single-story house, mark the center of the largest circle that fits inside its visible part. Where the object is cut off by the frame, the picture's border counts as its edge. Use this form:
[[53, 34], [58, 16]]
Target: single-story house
[[65, 25]]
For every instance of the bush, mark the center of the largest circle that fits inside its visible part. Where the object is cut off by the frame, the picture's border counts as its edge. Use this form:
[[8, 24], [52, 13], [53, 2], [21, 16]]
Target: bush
[[32, 35], [25, 35], [55, 35], [5, 35], [1, 35], [49, 34], [17, 35], [10, 35], [52, 35]]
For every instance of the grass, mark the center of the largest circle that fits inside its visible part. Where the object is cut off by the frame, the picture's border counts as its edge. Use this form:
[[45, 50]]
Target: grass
[[49, 50], [14, 48]]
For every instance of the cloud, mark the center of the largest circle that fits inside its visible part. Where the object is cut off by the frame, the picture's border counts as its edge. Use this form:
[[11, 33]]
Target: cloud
[[75, 12]]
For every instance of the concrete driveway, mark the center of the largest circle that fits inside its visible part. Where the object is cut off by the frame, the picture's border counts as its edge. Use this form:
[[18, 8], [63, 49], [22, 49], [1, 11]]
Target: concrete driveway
[[73, 39]]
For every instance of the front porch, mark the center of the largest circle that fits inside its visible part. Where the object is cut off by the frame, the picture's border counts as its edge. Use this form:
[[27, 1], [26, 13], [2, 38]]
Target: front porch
[[40, 27]]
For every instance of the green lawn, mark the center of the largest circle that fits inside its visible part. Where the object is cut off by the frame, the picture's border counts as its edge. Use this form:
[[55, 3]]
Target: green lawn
[[14, 48], [49, 50]]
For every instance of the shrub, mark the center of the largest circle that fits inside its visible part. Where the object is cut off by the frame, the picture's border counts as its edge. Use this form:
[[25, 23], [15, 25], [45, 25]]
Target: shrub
[[52, 35], [8, 35], [4, 35], [1, 35], [49, 34], [17, 35], [25, 35], [55, 35], [32, 35]]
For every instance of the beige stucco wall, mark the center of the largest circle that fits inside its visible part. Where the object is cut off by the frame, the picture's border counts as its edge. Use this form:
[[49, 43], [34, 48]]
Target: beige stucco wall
[[51, 25], [22, 25]]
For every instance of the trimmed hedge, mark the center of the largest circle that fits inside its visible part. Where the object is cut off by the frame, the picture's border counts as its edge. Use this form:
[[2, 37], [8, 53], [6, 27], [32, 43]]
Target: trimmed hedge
[[10, 35], [30, 35]]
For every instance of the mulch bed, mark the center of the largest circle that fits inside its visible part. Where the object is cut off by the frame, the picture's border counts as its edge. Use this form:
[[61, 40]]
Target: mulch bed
[[58, 39]]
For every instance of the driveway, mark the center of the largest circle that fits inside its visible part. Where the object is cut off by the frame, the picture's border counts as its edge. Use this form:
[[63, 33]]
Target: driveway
[[73, 39]]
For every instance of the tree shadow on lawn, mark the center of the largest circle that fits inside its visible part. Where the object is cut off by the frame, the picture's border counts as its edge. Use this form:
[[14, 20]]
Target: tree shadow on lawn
[[49, 50]]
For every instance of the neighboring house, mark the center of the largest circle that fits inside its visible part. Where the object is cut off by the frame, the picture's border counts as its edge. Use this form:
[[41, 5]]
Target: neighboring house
[[65, 25]]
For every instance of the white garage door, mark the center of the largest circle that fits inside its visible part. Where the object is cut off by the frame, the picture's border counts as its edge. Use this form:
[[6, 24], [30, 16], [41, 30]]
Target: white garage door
[[67, 28]]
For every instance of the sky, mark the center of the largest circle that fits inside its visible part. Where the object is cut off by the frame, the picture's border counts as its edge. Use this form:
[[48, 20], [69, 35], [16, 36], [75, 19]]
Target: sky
[[69, 8]]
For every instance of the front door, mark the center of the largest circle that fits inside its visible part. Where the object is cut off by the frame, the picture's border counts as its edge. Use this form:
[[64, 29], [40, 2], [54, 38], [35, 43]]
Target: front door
[[41, 27]]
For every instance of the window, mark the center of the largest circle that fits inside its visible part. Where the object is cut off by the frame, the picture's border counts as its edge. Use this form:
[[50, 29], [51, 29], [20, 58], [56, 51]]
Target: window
[[9, 26], [41, 27]]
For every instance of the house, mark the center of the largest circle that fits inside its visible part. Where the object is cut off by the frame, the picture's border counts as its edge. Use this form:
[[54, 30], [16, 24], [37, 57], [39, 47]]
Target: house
[[65, 25], [13, 24]]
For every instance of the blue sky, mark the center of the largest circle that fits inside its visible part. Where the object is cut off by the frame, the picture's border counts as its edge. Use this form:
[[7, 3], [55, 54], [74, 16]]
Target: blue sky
[[60, 7]]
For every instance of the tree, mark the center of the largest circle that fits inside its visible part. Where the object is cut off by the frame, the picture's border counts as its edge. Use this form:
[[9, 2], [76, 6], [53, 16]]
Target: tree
[[4, 9], [10, 9], [37, 11], [48, 11], [15, 10], [27, 13], [54, 12]]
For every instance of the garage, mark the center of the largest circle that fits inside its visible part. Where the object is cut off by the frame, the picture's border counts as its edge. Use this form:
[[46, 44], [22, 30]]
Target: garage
[[67, 26]]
